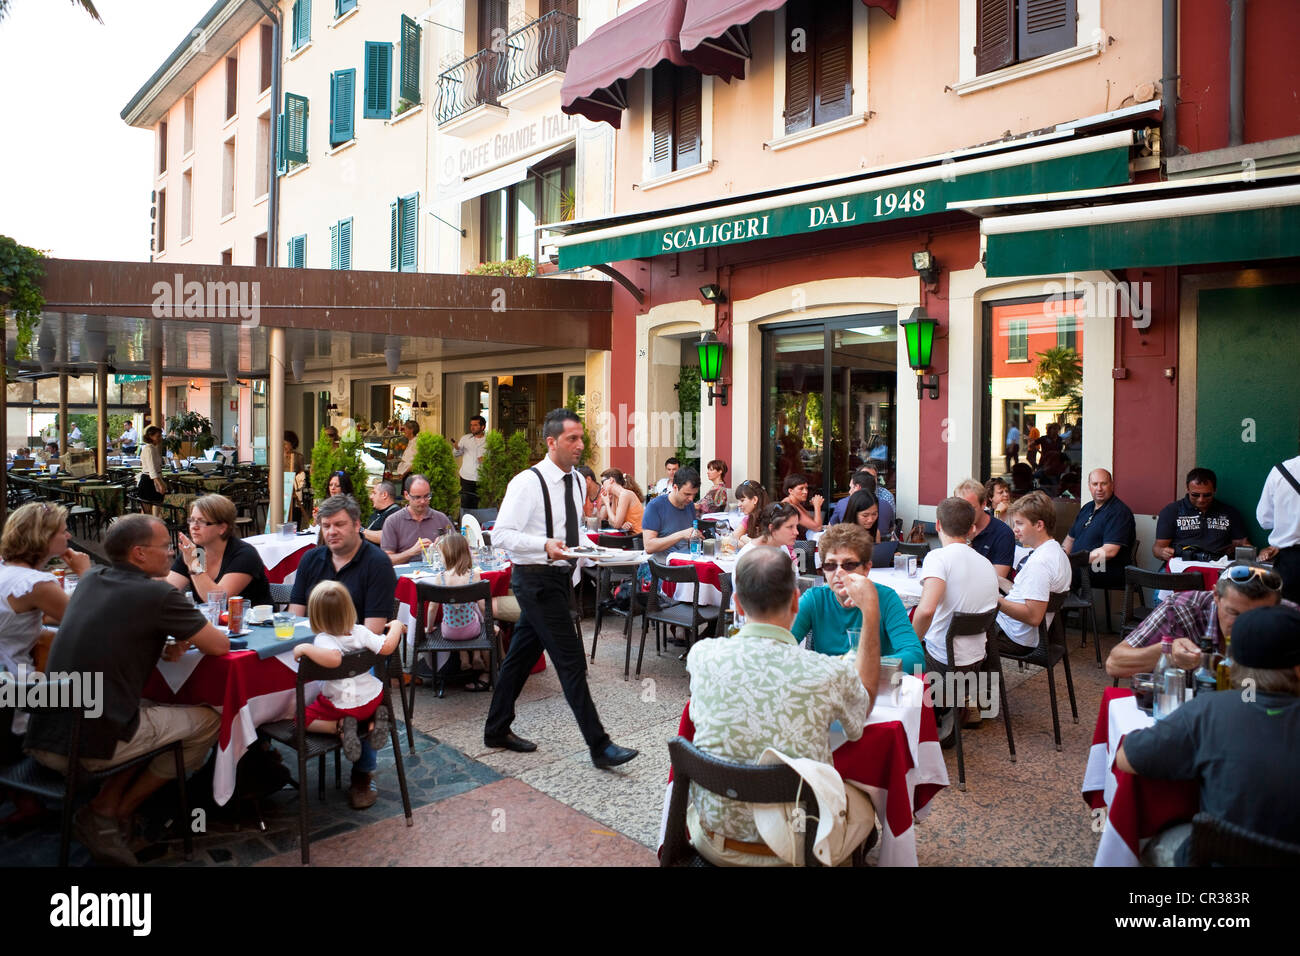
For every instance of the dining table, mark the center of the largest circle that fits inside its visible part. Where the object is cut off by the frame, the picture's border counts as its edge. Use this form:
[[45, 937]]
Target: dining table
[[247, 687], [1127, 809], [897, 762], [281, 554]]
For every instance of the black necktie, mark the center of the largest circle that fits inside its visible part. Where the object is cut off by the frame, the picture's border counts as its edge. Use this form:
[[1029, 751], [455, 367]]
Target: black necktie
[[570, 514]]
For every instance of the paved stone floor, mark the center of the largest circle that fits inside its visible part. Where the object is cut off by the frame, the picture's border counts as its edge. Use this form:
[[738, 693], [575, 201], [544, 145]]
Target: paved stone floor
[[474, 806]]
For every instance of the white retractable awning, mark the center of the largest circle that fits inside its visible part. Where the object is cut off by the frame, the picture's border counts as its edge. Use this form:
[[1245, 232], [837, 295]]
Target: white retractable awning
[[497, 178]]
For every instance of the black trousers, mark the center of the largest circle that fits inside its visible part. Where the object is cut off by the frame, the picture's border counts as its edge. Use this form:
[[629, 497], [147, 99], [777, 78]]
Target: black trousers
[[1287, 564], [468, 494], [544, 624]]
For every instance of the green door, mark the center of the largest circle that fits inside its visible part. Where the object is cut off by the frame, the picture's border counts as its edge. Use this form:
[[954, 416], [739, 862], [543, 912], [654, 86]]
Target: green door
[[1247, 389]]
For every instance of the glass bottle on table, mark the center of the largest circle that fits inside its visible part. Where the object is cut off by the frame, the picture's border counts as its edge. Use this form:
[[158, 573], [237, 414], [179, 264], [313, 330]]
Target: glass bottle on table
[[695, 539], [1223, 670], [1169, 681], [1204, 678]]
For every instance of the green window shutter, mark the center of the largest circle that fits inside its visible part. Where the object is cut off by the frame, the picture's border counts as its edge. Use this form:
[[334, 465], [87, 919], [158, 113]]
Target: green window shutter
[[295, 125], [410, 220], [392, 236], [408, 87], [298, 252], [301, 23], [343, 6], [281, 162], [343, 85], [345, 243], [334, 246], [379, 81]]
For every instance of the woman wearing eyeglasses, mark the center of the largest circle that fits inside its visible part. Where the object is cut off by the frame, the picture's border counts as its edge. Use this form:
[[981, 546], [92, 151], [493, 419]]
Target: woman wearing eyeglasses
[[827, 613], [229, 563]]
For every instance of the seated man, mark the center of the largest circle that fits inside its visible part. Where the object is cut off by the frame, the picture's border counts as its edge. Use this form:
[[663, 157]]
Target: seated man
[[992, 539], [1239, 747], [384, 498], [664, 484], [1105, 529], [1044, 573], [1199, 527], [669, 521], [116, 625], [829, 613], [792, 697], [954, 579], [404, 529], [1187, 616]]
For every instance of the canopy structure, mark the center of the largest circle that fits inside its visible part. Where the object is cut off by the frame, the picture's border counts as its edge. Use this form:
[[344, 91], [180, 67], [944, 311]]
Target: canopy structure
[[716, 23]]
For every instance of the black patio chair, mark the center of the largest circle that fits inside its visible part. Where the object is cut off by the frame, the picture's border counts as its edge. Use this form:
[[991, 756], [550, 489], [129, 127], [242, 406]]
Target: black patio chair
[[1051, 648], [1135, 579], [1080, 601], [965, 624], [1216, 842], [694, 616], [605, 580], [432, 642]]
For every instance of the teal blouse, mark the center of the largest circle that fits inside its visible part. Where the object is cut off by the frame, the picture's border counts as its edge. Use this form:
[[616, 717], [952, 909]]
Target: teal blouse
[[822, 615]]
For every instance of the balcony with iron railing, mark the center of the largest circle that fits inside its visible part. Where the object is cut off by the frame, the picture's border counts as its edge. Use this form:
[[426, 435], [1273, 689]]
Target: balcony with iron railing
[[534, 51]]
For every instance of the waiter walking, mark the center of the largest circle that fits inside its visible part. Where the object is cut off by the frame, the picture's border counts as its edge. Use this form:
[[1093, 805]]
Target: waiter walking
[[1278, 513], [536, 502]]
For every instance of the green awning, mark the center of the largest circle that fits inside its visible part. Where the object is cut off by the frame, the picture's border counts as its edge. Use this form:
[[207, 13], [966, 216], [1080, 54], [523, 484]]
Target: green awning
[[1236, 226], [1076, 164]]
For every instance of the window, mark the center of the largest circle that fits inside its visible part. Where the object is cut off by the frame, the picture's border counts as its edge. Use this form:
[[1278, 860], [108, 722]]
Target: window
[[187, 203], [297, 253], [268, 56], [404, 222], [232, 86], [379, 81], [818, 71], [408, 77], [301, 23], [1017, 340], [1012, 31], [675, 124], [510, 216], [262, 174], [187, 144], [162, 147], [1067, 335], [161, 221], [259, 250], [341, 244], [343, 85], [228, 177], [292, 133], [227, 257], [343, 6]]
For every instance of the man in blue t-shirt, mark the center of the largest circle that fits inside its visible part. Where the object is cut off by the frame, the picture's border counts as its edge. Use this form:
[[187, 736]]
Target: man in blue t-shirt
[[1105, 529], [669, 521], [1199, 524], [989, 536]]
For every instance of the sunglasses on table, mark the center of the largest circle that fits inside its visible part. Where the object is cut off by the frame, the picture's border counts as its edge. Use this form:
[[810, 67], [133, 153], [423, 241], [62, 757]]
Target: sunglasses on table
[[1240, 574], [830, 567]]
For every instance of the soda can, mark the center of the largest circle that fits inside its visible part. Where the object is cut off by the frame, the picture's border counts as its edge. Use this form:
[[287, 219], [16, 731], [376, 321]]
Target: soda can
[[235, 614]]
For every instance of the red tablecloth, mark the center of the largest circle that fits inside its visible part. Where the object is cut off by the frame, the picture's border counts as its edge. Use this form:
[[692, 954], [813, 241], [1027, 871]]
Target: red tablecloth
[[708, 571], [288, 566], [246, 689], [882, 760], [1139, 806]]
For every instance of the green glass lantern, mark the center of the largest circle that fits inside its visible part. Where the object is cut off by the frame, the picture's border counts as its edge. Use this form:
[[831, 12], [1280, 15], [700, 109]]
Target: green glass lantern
[[712, 352], [918, 332]]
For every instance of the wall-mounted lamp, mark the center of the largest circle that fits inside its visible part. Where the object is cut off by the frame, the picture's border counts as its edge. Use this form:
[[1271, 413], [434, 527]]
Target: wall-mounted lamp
[[918, 330], [712, 353], [713, 293], [926, 266]]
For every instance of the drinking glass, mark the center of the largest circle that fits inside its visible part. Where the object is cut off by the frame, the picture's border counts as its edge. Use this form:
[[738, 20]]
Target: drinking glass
[[426, 552], [853, 633], [284, 625], [216, 605]]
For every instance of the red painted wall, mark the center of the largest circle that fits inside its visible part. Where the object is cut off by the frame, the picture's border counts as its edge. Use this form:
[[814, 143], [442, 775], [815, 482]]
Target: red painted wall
[[1041, 319], [1272, 100], [622, 377]]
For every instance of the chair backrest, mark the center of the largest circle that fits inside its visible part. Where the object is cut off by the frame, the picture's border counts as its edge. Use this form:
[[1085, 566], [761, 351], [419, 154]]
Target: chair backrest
[[964, 623], [724, 579], [1135, 579], [1216, 841], [882, 555], [69, 694], [777, 783], [459, 594], [676, 573], [354, 663], [920, 550], [1046, 631], [280, 595], [623, 542], [1080, 563]]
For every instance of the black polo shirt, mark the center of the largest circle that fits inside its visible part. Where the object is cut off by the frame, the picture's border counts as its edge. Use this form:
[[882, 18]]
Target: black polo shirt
[[369, 578], [1111, 524], [116, 624], [1214, 531], [379, 517]]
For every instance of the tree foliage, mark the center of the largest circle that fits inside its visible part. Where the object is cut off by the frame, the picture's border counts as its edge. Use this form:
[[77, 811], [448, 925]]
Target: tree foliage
[[326, 459], [20, 289], [1059, 374], [518, 453], [436, 460], [493, 471], [87, 5], [688, 404]]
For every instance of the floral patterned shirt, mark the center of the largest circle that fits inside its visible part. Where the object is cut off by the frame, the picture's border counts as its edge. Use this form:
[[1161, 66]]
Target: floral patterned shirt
[[760, 689]]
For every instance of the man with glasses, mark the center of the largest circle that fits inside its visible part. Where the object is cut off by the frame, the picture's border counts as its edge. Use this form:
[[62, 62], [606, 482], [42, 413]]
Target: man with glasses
[[117, 624], [406, 529], [1187, 616], [1198, 527]]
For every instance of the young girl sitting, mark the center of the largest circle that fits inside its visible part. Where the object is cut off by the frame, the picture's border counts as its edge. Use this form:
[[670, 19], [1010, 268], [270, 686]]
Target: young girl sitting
[[345, 704], [460, 622]]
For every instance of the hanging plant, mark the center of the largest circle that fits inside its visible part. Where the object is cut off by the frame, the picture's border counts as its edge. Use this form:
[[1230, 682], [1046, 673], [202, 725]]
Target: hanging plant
[[20, 290]]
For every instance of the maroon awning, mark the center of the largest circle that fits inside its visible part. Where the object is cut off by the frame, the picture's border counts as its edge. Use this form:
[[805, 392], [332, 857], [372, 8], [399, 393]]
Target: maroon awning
[[709, 21], [595, 81]]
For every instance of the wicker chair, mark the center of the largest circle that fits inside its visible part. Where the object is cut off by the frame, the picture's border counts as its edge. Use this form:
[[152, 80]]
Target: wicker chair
[[1216, 842]]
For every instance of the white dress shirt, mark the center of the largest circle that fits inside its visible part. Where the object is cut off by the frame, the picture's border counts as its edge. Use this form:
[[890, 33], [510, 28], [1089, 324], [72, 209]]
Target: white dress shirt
[[521, 521], [1279, 507], [469, 449]]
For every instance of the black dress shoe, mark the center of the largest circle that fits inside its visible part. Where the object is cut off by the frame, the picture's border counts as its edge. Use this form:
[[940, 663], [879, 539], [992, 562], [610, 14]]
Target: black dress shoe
[[510, 742], [611, 755]]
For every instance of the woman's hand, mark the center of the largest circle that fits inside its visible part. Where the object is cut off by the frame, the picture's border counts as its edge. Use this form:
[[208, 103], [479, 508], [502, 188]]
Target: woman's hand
[[186, 547], [77, 561], [817, 501]]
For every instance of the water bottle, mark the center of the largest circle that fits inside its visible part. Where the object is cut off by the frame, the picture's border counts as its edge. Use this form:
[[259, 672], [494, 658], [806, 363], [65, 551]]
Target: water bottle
[[1170, 682], [696, 543]]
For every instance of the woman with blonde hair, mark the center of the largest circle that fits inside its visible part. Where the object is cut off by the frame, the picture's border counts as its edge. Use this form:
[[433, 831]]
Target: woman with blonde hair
[[229, 564], [621, 504]]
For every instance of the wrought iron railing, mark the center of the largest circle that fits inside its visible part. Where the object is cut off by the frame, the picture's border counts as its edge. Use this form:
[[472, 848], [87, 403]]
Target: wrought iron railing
[[532, 51]]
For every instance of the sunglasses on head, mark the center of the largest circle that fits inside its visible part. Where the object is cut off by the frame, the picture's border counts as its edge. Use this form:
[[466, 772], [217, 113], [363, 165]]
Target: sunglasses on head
[[830, 567], [1240, 574]]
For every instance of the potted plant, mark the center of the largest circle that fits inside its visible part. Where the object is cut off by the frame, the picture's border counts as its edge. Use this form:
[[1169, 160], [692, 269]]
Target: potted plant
[[326, 459], [435, 459], [188, 434], [493, 471]]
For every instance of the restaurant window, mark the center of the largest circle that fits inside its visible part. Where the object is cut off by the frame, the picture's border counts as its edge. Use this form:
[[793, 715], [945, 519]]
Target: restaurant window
[[1040, 388], [187, 141], [268, 57], [228, 177], [162, 147], [818, 63], [1012, 31], [232, 86], [162, 221], [675, 118], [510, 216]]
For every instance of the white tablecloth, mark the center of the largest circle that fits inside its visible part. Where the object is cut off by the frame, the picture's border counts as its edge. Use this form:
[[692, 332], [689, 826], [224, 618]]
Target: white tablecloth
[[1124, 718], [274, 548], [907, 588]]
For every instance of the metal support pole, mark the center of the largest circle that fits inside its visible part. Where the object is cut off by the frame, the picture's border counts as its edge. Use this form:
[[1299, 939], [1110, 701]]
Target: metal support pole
[[156, 383], [275, 425], [63, 415], [101, 426]]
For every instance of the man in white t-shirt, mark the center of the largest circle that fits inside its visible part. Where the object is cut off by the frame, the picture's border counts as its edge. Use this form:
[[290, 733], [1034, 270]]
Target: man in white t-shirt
[[1044, 573], [954, 579], [470, 452]]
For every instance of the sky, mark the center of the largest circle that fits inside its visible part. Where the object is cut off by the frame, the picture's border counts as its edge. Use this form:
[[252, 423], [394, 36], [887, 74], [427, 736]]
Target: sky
[[74, 178]]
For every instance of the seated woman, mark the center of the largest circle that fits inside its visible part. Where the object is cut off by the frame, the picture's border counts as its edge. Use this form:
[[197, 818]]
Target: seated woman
[[864, 510], [825, 614], [795, 490], [753, 500], [777, 526], [998, 495], [715, 499], [621, 506], [229, 564], [31, 596]]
